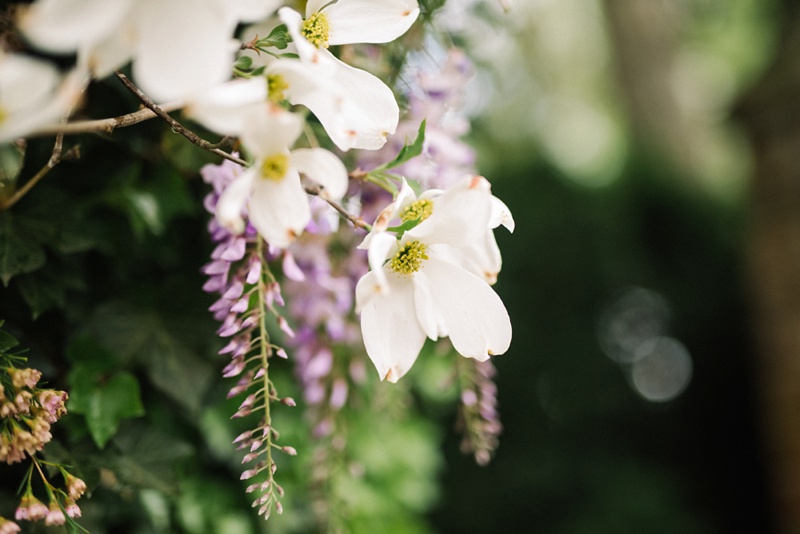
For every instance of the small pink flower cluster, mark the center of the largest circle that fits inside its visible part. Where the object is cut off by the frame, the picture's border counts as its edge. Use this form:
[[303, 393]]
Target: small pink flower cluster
[[62, 503], [7, 526], [26, 413]]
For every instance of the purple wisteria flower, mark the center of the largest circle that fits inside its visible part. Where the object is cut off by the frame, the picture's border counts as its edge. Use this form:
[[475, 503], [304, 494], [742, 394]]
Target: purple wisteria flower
[[239, 275]]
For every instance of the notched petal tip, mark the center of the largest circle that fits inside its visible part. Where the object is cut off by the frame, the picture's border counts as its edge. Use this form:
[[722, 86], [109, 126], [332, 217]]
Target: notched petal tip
[[392, 376], [479, 182]]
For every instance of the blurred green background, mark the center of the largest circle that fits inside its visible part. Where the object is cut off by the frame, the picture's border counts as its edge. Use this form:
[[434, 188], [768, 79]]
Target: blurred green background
[[608, 130]]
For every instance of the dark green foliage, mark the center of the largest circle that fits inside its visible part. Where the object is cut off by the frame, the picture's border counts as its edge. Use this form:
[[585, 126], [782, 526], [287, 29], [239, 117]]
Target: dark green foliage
[[581, 452]]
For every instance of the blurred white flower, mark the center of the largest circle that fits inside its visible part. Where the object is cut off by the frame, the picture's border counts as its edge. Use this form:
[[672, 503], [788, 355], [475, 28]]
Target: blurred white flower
[[415, 289], [177, 46], [33, 93]]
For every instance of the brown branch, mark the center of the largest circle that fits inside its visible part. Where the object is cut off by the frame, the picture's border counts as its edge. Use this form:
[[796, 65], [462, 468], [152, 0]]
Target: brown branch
[[56, 157], [104, 125], [355, 220], [176, 126]]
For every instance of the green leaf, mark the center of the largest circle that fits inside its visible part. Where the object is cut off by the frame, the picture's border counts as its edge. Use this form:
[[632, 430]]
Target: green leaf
[[20, 250], [104, 402], [41, 293], [148, 458], [7, 341], [174, 370], [84, 349], [405, 227], [47, 288], [151, 203], [243, 63], [147, 338], [409, 150], [12, 156], [278, 37]]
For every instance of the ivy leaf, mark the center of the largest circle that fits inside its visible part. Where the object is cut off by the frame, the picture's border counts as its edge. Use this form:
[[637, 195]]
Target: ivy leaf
[[7, 341], [148, 458], [104, 401], [20, 250], [152, 203], [41, 293], [47, 287], [409, 150], [148, 338]]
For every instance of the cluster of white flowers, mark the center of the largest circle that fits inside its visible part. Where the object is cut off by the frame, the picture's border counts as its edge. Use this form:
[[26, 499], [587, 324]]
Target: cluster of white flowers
[[431, 273], [430, 276]]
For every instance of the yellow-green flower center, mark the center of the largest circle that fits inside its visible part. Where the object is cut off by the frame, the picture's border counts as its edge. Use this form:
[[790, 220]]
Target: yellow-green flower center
[[408, 259], [419, 210], [317, 30], [275, 167], [276, 85]]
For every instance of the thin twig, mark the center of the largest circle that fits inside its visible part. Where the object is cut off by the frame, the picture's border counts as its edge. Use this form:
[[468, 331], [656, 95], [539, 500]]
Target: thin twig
[[105, 125], [176, 126], [56, 157], [355, 220]]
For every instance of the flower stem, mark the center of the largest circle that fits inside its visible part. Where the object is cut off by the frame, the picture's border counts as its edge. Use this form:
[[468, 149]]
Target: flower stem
[[265, 351]]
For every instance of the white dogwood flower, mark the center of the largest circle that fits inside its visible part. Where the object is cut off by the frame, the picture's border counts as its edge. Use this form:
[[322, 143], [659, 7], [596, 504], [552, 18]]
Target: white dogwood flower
[[271, 190], [480, 256], [33, 93], [415, 290], [177, 46], [355, 107]]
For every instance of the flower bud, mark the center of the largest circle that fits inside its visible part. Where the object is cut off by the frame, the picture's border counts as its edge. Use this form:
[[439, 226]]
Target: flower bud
[[55, 516]]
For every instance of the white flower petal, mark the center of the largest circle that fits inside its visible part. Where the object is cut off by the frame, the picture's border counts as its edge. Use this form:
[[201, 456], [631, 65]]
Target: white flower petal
[[33, 95], [323, 167], [232, 201], [460, 214], [369, 113], [404, 198], [501, 215], [66, 25], [183, 46], [25, 83], [381, 246], [356, 109], [482, 257], [272, 130], [227, 108], [392, 335], [473, 315], [428, 315], [103, 57], [370, 21], [312, 6], [249, 10], [279, 209]]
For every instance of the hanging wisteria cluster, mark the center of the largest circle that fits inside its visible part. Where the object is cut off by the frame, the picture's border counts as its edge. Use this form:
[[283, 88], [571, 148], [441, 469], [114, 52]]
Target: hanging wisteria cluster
[[350, 219]]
